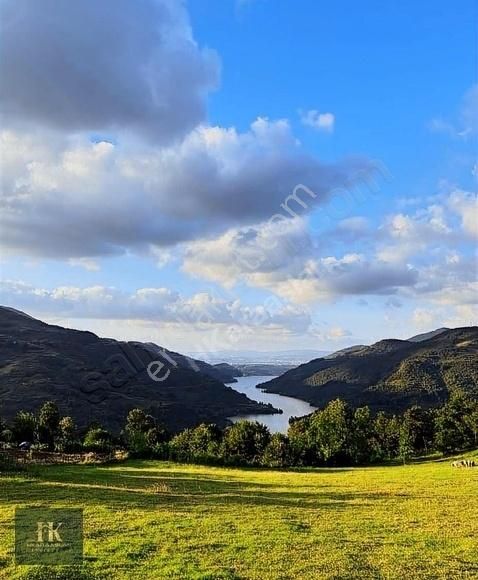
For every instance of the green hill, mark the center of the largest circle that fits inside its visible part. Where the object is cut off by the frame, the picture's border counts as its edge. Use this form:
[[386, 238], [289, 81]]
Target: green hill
[[101, 379], [390, 374]]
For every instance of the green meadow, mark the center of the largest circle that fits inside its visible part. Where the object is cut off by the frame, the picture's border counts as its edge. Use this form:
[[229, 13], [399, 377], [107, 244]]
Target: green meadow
[[151, 519]]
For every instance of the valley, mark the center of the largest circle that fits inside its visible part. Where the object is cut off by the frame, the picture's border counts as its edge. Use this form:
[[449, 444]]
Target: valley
[[278, 422]]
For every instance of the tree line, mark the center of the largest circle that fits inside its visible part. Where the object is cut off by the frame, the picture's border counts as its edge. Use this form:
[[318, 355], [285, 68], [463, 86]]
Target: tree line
[[336, 435]]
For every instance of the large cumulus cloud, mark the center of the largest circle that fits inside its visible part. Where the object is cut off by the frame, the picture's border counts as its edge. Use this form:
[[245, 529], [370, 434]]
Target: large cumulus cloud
[[107, 149], [103, 66], [285, 261], [70, 197], [429, 252]]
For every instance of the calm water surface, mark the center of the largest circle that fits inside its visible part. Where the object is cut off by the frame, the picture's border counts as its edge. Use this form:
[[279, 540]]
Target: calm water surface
[[277, 423]]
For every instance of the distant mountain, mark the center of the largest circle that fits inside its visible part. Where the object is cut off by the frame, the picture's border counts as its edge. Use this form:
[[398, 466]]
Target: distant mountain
[[225, 372], [263, 369], [247, 357], [358, 347], [390, 374], [101, 379]]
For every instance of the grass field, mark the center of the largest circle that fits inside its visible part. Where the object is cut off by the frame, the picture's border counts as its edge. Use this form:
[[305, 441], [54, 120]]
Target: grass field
[[146, 520]]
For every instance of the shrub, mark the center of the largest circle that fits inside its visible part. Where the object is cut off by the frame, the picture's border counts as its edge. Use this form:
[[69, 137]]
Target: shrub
[[244, 443], [277, 453], [24, 427], [98, 439], [142, 435], [201, 444]]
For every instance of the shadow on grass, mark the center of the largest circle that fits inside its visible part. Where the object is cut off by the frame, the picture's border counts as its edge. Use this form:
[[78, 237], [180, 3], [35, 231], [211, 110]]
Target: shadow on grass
[[92, 487]]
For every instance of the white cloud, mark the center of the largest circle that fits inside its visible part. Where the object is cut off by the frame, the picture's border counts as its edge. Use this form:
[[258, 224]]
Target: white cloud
[[355, 225], [280, 257], [423, 253], [329, 333], [248, 253], [113, 157], [465, 204], [466, 125], [86, 263], [353, 274], [70, 197], [403, 236], [320, 121], [427, 318], [153, 305], [424, 319]]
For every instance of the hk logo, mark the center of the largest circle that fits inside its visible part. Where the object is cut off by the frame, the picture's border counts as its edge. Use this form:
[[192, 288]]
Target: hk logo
[[48, 536], [49, 530]]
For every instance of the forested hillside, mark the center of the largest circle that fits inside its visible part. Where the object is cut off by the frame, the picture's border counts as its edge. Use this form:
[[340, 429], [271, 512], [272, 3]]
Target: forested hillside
[[390, 374], [100, 379]]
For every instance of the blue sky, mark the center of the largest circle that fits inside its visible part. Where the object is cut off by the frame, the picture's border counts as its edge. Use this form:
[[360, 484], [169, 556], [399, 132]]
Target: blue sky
[[141, 180]]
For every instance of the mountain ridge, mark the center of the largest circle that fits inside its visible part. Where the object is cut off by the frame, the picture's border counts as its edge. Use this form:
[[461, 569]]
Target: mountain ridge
[[390, 374], [97, 379]]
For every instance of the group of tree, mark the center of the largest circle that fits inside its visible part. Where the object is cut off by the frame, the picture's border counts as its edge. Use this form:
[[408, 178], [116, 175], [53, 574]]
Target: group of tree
[[46, 429], [335, 435]]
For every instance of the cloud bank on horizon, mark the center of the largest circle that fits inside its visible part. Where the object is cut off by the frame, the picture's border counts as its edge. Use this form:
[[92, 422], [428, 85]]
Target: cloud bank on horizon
[[108, 153]]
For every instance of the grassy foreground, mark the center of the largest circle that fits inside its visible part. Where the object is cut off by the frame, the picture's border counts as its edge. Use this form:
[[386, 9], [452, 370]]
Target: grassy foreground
[[146, 520]]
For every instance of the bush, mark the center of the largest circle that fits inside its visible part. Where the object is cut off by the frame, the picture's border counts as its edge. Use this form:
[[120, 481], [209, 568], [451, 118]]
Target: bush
[[277, 453], [201, 445], [98, 439], [142, 435], [8, 463], [244, 443], [39, 447], [24, 427]]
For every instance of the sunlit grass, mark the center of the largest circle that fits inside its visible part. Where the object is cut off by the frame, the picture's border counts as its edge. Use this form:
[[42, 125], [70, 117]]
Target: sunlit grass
[[162, 520]]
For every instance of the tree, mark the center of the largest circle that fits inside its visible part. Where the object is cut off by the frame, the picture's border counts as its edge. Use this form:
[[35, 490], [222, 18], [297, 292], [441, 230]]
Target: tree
[[301, 450], [453, 430], [180, 446], [48, 423], [98, 439], [386, 435], [405, 442], [277, 452], [359, 446], [201, 444], [67, 428], [419, 423], [142, 435], [156, 435], [471, 421], [205, 440], [245, 442], [6, 434], [138, 420], [329, 430], [66, 434], [24, 427]]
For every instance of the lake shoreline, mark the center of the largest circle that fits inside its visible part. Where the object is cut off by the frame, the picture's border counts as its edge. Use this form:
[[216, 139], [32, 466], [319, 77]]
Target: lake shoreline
[[276, 422]]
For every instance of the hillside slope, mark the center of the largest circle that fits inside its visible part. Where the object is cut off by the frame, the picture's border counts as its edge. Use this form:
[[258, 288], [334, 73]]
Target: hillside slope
[[101, 379], [390, 374]]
